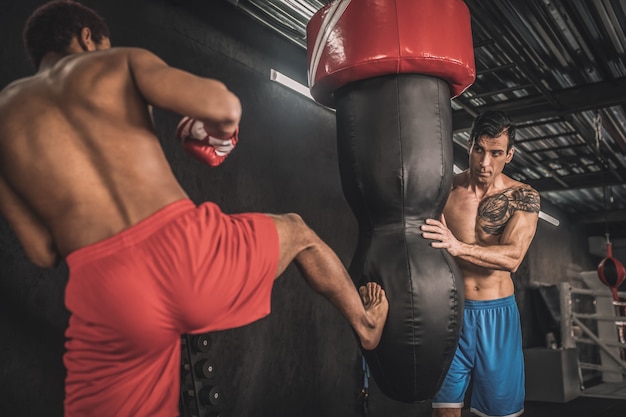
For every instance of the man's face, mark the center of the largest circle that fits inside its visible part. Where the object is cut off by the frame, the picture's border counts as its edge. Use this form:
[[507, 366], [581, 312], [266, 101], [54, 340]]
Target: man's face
[[487, 157]]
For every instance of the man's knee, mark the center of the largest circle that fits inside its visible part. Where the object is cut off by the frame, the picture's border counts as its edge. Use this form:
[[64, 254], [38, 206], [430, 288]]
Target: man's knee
[[295, 231], [294, 220], [294, 236]]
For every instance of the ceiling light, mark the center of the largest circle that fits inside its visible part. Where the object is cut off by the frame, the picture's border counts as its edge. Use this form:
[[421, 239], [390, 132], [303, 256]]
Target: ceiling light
[[546, 217], [290, 83]]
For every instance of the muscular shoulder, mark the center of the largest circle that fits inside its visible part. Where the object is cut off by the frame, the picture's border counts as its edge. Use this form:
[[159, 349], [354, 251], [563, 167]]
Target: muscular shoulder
[[459, 183], [125, 53], [110, 60], [519, 196], [495, 210], [128, 61], [525, 198], [13, 90], [460, 179], [98, 74], [14, 98]]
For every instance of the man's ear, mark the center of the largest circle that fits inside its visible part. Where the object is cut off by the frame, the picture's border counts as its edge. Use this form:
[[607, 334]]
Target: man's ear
[[85, 40], [509, 155]]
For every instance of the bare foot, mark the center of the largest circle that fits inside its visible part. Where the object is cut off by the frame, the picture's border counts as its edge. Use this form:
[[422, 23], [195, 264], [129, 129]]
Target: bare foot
[[376, 308]]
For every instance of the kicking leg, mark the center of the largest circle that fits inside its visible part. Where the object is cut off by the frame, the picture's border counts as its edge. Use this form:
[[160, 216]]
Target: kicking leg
[[365, 310]]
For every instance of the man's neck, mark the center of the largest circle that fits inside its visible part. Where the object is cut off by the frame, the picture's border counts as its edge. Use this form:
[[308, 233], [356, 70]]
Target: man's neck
[[482, 189], [49, 60]]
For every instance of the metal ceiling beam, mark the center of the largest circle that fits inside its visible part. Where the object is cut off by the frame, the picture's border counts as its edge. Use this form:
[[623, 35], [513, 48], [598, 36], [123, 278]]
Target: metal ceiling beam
[[557, 148], [494, 69], [617, 229], [597, 223], [504, 90], [544, 137], [484, 16], [577, 181], [612, 216], [571, 100]]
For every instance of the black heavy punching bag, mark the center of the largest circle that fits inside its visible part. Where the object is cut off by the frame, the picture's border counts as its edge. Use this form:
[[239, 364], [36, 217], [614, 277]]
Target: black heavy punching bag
[[389, 68]]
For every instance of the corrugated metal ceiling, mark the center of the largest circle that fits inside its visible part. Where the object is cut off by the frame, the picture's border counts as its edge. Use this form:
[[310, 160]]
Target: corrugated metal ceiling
[[559, 68]]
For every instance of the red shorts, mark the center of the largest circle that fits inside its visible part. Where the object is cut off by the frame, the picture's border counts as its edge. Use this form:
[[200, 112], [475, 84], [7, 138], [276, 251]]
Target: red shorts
[[185, 269]]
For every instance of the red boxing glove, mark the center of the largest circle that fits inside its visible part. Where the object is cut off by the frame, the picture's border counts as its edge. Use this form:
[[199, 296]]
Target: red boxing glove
[[205, 148]]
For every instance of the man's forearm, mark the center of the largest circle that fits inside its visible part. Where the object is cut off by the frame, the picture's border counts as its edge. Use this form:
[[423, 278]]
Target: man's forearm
[[500, 257]]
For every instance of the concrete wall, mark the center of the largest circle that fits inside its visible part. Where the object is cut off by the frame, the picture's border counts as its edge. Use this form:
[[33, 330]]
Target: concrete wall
[[302, 360]]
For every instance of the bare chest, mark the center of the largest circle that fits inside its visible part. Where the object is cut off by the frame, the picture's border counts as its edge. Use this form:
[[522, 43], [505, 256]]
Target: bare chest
[[492, 215], [484, 221]]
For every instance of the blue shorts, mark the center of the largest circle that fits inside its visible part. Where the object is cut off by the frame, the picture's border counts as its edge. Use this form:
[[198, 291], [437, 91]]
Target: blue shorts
[[490, 353]]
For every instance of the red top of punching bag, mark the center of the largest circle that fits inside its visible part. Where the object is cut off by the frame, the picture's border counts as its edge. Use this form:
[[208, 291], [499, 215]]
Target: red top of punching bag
[[351, 40]]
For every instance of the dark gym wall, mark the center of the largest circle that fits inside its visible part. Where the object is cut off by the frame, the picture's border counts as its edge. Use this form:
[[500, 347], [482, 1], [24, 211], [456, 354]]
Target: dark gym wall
[[554, 254], [302, 360], [32, 314]]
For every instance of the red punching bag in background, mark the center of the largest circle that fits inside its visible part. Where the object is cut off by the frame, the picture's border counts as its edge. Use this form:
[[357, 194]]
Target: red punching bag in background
[[390, 67], [611, 271]]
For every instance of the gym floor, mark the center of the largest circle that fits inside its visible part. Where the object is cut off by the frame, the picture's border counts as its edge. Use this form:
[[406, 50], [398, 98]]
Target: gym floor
[[579, 407]]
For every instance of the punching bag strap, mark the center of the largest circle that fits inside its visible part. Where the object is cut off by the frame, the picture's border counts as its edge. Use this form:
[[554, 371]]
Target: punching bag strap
[[365, 393]]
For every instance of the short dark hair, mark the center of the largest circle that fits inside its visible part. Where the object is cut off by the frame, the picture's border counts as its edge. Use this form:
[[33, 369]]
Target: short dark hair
[[50, 28], [493, 124]]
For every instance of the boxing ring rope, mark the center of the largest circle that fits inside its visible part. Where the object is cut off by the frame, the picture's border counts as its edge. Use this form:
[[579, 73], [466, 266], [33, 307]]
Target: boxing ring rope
[[613, 350]]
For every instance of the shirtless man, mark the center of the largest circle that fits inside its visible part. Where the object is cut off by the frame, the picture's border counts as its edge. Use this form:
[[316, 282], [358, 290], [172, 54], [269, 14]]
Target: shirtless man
[[487, 224], [83, 177]]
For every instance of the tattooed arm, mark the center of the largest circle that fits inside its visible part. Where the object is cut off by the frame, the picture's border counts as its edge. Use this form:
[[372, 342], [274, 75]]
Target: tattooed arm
[[507, 254], [505, 226]]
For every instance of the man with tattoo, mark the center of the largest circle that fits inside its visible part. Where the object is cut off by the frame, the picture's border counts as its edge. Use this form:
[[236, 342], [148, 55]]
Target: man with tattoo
[[487, 224]]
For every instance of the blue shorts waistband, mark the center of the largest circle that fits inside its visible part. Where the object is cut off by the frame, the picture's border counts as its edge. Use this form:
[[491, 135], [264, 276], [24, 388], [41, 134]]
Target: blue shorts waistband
[[483, 304]]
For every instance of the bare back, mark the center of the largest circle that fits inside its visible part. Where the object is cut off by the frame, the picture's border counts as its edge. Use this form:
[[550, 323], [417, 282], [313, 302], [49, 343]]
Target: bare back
[[79, 159], [504, 219]]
